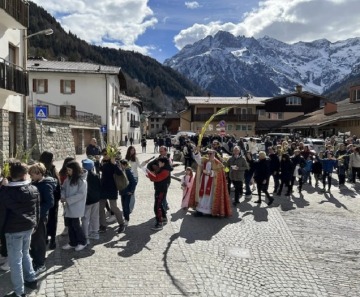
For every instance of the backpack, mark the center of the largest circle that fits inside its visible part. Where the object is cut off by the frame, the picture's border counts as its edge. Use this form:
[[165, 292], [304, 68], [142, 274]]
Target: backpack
[[121, 181]]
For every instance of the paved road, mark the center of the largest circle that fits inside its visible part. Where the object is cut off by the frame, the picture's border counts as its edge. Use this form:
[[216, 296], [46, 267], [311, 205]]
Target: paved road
[[305, 246]]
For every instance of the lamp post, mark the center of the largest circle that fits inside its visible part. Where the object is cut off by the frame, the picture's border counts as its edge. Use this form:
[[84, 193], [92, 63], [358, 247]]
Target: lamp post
[[48, 31]]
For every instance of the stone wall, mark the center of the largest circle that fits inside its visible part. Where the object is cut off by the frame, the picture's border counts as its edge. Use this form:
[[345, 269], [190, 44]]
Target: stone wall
[[4, 135], [54, 136]]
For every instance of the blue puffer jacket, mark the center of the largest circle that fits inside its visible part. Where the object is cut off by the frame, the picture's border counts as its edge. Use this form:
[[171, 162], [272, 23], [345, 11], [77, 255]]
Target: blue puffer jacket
[[328, 165]]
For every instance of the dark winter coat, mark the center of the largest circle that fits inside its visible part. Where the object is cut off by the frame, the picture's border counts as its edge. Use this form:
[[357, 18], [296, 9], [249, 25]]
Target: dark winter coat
[[46, 189], [93, 188], [108, 186], [262, 170], [19, 207]]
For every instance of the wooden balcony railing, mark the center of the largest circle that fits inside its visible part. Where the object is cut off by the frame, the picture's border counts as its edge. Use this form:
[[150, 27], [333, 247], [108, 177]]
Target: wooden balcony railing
[[18, 9], [13, 78], [227, 117]]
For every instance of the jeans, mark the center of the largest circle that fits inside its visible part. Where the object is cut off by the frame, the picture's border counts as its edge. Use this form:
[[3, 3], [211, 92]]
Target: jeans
[[125, 203], [132, 200], [18, 245], [247, 184]]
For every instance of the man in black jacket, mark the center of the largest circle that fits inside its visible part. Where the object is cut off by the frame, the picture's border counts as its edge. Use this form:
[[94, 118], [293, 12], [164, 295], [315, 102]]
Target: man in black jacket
[[274, 168], [19, 215]]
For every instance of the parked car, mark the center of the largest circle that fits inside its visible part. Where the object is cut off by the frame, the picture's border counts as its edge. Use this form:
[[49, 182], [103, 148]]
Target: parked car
[[260, 144], [315, 144], [175, 139]]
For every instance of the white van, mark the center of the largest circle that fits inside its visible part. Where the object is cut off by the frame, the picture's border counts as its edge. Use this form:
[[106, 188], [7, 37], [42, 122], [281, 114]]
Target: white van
[[316, 144], [175, 140]]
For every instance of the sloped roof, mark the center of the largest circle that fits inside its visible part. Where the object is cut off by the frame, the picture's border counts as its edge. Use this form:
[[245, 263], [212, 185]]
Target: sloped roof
[[74, 67], [345, 110], [303, 94], [225, 100]]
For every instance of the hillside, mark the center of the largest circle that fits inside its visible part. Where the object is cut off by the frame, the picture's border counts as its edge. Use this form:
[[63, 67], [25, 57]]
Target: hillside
[[160, 87]]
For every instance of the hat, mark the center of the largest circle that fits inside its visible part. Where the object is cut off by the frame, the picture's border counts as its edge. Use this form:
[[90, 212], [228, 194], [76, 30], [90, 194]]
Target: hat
[[87, 164]]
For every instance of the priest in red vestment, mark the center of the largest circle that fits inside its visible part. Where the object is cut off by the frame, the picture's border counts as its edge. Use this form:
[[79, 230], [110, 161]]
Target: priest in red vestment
[[210, 195]]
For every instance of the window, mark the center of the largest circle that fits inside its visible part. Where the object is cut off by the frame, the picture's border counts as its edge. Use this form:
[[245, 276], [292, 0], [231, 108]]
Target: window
[[249, 127], [243, 127], [261, 112], [67, 86], [12, 54], [276, 115], [229, 127], [356, 95], [293, 100], [157, 126], [238, 127], [152, 126], [40, 86], [128, 116]]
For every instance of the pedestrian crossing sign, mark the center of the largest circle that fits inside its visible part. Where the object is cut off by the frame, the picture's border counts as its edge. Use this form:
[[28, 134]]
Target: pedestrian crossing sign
[[41, 112]]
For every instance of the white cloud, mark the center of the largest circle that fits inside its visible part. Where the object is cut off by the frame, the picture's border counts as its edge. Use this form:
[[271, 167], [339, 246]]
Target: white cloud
[[288, 21], [192, 5], [100, 22]]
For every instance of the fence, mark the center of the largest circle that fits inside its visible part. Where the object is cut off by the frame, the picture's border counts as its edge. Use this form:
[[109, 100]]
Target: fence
[[66, 112]]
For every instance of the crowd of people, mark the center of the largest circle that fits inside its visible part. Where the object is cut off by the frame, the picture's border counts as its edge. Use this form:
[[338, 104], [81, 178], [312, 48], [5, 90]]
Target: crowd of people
[[30, 194]]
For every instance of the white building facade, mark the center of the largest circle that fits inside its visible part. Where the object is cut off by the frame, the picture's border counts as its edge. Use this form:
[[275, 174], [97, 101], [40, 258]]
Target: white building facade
[[85, 87], [13, 76]]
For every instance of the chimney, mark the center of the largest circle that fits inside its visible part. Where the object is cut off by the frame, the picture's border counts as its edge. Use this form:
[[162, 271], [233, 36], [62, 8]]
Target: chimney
[[330, 108], [299, 89]]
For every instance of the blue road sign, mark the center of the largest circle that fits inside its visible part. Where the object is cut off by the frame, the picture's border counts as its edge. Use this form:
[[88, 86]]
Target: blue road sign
[[41, 112], [103, 129]]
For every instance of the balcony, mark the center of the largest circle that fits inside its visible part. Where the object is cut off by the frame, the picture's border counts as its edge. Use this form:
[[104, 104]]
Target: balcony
[[227, 117], [66, 112], [14, 13], [13, 78], [134, 124]]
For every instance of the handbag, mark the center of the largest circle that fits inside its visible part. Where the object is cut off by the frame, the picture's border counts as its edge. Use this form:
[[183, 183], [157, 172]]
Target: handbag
[[121, 181]]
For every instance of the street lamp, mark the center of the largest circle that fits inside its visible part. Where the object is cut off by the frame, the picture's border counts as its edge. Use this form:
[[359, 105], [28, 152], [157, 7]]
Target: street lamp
[[48, 31]]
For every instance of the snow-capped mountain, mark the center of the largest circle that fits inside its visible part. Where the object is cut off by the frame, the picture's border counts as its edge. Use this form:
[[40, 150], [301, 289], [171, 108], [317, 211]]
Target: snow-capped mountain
[[226, 65]]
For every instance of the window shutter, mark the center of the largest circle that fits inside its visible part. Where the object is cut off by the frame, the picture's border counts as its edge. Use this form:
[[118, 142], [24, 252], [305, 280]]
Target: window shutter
[[45, 85], [34, 85], [61, 86], [72, 86]]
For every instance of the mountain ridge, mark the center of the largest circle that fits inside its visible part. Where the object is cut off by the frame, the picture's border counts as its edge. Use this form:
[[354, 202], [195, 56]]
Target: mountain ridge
[[228, 65]]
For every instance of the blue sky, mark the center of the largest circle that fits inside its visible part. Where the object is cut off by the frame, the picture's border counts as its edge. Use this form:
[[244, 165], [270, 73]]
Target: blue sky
[[160, 28]]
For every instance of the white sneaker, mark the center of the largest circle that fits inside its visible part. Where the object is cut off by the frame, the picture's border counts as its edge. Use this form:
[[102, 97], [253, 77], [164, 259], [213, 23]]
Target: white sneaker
[[80, 247], [111, 219], [67, 247], [126, 223], [5, 266]]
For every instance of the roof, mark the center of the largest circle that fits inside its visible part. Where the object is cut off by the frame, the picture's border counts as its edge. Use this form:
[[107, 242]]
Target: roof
[[303, 94], [74, 67], [345, 110], [225, 100]]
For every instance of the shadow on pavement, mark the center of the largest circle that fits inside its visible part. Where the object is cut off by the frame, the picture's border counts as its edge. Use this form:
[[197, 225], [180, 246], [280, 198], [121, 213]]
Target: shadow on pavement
[[259, 213], [331, 199]]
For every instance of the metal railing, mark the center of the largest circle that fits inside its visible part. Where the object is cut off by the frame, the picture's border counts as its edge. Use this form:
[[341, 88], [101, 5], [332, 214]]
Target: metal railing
[[66, 112], [13, 78], [227, 117], [134, 124], [18, 9]]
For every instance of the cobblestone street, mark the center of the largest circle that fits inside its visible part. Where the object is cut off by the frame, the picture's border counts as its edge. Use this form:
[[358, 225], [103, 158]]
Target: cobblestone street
[[306, 246]]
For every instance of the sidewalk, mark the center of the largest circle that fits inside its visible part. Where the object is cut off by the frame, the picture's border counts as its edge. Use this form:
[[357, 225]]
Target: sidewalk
[[305, 246]]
